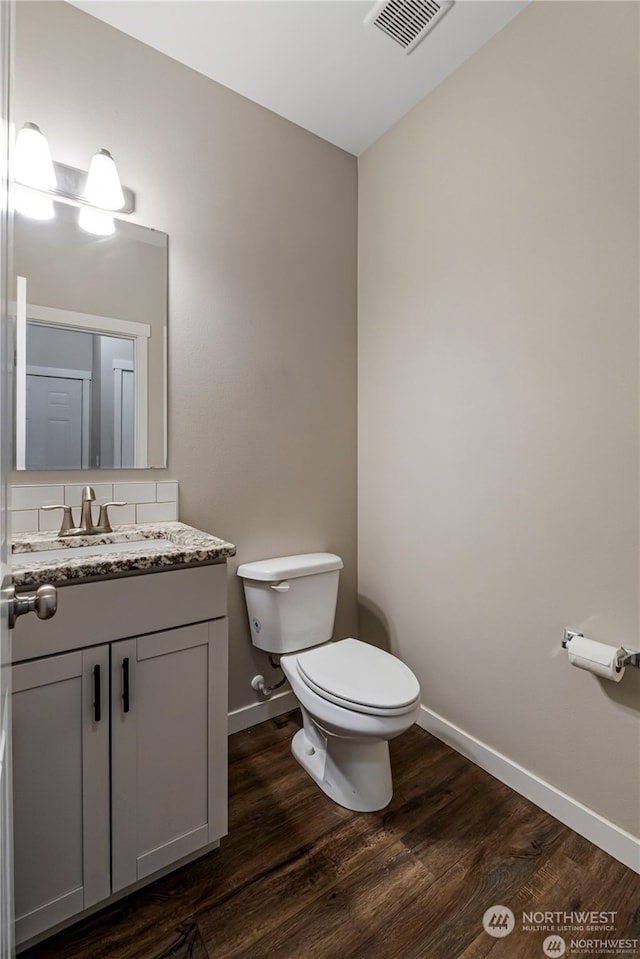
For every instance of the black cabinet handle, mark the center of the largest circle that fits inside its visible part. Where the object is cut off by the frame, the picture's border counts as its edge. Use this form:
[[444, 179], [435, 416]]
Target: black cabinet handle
[[125, 685], [97, 696]]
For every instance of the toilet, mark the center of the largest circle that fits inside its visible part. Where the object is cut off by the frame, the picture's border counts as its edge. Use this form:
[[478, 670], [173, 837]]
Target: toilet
[[354, 697]]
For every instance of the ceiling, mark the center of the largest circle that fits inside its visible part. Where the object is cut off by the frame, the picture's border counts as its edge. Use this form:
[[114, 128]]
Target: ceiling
[[311, 61]]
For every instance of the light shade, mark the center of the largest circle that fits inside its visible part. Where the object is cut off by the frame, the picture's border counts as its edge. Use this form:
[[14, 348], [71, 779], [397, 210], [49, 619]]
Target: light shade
[[96, 222], [32, 159], [103, 187], [34, 205]]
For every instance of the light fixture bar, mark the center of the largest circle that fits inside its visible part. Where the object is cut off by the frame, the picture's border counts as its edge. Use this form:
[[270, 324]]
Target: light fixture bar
[[70, 189], [72, 183]]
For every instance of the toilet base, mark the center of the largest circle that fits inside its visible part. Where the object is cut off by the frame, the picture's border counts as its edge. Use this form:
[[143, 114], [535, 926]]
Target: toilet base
[[356, 774]]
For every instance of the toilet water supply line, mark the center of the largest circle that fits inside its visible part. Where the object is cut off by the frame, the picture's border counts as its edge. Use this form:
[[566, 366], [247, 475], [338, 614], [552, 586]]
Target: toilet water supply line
[[259, 684]]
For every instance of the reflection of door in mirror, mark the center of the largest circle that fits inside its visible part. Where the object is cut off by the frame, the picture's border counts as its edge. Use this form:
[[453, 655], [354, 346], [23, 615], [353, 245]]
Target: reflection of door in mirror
[[82, 413], [56, 438], [81, 390]]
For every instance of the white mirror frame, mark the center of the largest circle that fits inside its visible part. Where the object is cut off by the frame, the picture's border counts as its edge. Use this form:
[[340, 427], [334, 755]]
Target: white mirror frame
[[111, 326]]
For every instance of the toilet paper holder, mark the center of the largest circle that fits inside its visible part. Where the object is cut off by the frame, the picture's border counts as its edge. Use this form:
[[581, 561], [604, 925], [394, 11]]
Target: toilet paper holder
[[631, 657]]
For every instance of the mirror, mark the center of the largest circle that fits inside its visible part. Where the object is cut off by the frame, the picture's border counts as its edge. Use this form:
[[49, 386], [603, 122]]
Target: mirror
[[91, 339]]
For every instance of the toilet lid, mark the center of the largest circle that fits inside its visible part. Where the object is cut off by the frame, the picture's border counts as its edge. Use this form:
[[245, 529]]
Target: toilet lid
[[359, 675]]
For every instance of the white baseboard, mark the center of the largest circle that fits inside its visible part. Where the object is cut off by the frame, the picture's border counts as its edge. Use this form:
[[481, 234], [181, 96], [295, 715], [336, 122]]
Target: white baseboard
[[620, 844], [258, 712]]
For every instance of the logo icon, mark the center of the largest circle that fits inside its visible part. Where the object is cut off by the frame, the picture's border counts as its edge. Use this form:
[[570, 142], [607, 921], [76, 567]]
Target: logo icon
[[257, 625], [554, 946], [499, 921]]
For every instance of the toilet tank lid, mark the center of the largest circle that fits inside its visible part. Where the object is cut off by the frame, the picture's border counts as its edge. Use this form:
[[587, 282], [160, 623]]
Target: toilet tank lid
[[289, 567]]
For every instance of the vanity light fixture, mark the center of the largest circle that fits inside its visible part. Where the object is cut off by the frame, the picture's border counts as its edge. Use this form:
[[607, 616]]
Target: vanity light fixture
[[34, 170], [39, 181], [33, 163], [103, 187]]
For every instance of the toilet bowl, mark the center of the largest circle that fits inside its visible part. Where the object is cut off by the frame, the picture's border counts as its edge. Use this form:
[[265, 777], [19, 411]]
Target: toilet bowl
[[353, 697], [343, 744]]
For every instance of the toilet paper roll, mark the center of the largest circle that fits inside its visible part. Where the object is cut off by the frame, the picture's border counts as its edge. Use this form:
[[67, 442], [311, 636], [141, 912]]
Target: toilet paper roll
[[598, 658]]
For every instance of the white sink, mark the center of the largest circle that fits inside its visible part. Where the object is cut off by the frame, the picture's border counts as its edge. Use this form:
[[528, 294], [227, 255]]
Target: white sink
[[147, 546]]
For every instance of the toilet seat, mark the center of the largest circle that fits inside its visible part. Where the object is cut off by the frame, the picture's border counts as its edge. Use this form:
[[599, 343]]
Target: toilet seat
[[360, 677]]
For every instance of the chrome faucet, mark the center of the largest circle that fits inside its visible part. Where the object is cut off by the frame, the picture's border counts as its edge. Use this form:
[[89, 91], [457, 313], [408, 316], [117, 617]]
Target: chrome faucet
[[86, 519], [86, 527]]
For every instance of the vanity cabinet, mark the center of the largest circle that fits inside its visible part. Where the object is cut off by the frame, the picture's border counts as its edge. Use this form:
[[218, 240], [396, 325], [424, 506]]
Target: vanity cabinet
[[120, 746], [61, 790], [164, 787]]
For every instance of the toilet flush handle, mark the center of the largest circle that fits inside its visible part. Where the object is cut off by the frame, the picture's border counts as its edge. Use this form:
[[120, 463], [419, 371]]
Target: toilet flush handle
[[281, 587]]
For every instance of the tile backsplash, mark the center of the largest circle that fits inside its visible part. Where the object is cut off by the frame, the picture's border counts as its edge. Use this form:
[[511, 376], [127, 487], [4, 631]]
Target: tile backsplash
[[146, 503]]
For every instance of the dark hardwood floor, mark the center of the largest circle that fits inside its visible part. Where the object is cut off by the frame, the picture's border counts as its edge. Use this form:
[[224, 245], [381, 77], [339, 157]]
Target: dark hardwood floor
[[301, 878]]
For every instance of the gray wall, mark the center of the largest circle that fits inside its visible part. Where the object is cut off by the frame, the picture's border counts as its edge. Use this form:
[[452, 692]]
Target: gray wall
[[261, 218], [498, 394]]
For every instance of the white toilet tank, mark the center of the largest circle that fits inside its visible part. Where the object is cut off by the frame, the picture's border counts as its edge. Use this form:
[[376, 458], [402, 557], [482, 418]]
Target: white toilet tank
[[291, 600]]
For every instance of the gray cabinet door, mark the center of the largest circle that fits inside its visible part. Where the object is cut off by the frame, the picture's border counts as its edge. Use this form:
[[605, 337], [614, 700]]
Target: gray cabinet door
[[61, 788], [169, 749]]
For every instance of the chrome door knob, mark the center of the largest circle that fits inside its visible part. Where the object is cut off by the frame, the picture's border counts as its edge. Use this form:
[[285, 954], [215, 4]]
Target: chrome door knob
[[44, 603]]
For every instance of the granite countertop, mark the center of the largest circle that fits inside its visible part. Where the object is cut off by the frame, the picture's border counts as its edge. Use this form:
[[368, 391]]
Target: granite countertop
[[188, 546]]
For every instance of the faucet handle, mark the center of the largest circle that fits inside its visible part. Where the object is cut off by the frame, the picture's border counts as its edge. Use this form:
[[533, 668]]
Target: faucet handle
[[104, 526], [67, 517]]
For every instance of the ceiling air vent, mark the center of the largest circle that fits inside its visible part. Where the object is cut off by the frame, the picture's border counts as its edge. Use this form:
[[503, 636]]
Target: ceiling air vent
[[407, 21]]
